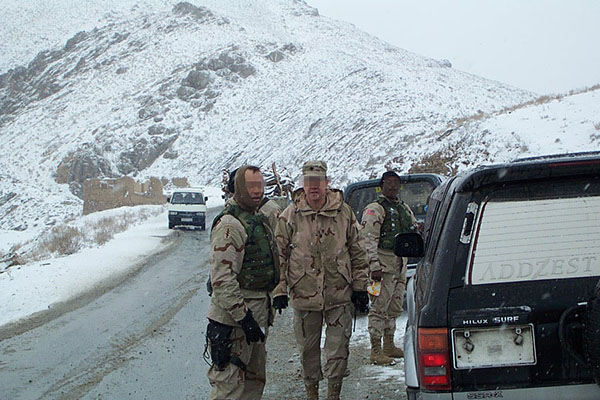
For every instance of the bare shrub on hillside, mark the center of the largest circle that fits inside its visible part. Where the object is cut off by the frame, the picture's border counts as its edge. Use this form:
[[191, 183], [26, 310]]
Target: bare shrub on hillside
[[475, 117], [543, 100], [62, 240], [106, 228], [438, 163], [392, 164], [597, 126], [65, 239]]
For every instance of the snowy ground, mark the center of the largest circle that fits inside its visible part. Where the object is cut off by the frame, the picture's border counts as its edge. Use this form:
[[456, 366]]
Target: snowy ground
[[34, 287]]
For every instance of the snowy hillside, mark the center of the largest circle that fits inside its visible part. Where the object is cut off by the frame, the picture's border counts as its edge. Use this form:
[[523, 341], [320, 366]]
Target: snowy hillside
[[168, 89], [547, 125]]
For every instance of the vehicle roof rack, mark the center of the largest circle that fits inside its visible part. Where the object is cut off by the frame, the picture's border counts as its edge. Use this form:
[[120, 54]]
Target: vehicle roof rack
[[557, 156]]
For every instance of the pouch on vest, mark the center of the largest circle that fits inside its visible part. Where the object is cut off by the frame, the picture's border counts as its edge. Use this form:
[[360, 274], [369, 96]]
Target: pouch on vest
[[396, 221]]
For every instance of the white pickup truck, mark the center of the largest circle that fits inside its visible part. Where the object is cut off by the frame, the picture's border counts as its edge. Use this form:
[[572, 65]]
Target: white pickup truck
[[187, 207]]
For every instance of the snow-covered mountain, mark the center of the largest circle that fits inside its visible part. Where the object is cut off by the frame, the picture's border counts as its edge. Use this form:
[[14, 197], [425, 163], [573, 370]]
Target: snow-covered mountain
[[168, 89]]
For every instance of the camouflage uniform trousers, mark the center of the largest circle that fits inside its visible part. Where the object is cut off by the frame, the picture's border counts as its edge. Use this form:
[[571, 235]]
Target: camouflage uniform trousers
[[233, 383], [308, 327], [389, 304]]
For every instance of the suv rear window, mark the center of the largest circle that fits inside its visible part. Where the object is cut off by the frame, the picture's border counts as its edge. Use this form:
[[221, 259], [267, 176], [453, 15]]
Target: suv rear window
[[415, 194], [519, 240]]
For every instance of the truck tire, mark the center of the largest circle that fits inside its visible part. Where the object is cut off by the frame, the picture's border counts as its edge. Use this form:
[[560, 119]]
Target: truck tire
[[171, 225]]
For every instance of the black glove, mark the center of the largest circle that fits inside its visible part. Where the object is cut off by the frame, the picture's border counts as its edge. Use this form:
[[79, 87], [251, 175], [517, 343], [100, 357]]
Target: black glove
[[360, 300], [280, 302], [251, 329]]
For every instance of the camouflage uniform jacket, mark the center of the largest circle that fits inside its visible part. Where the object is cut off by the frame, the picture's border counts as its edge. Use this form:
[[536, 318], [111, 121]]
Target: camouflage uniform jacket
[[227, 303], [372, 219], [271, 210], [321, 260]]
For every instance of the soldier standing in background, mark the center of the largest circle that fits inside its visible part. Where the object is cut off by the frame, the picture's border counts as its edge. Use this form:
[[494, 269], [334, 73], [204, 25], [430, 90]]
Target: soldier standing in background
[[381, 221], [325, 270], [270, 209], [244, 268]]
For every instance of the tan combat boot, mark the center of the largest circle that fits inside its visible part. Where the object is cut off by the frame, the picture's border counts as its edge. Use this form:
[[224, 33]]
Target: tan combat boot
[[312, 391], [389, 349], [377, 357], [334, 388]]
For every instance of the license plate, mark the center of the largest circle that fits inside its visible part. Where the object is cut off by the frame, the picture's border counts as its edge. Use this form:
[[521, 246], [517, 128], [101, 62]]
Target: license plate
[[187, 219], [508, 345]]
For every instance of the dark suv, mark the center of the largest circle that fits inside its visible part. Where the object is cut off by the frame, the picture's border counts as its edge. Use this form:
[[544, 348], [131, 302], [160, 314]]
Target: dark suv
[[511, 255]]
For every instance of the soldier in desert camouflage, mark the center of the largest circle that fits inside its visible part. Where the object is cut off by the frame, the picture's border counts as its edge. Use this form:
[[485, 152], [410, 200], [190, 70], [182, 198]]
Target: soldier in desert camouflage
[[269, 208], [244, 268], [381, 221], [325, 271]]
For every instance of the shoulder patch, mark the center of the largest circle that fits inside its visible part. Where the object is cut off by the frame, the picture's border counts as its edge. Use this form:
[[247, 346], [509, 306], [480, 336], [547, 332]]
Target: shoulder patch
[[369, 211]]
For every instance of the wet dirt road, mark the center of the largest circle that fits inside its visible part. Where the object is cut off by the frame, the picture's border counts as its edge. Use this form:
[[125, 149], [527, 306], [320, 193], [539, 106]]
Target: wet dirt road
[[141, 340], [144, 339]]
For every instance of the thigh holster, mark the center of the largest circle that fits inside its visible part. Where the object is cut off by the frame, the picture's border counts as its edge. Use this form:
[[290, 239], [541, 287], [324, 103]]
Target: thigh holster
[[218, 337]]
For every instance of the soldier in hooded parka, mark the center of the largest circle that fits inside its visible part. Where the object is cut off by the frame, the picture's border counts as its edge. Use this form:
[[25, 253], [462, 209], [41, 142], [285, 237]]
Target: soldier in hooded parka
[[244, 269], [269, 208], [382, 220]]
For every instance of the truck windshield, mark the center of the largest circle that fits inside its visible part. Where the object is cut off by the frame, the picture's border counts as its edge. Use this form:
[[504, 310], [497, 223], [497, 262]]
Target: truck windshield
[[187, 198]]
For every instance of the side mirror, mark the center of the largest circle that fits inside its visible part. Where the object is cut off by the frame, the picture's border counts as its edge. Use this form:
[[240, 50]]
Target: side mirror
[[409, 245], [205, 198]]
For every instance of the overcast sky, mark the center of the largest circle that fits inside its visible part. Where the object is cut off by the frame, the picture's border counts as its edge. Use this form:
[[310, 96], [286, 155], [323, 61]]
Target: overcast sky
[[546, 46]]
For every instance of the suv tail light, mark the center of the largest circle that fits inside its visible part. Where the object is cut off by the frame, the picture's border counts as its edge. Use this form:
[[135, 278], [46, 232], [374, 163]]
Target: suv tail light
[[434, 358]]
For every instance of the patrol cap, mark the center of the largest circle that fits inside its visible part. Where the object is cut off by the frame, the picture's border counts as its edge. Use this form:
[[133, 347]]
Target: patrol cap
[[314, 168]]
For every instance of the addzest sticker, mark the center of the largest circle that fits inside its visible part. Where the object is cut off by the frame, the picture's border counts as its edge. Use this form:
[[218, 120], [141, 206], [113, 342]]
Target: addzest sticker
[[537, 269]]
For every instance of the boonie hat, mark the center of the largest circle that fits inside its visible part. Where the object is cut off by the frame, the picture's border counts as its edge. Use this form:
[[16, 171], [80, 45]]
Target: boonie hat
[[314, 168]]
